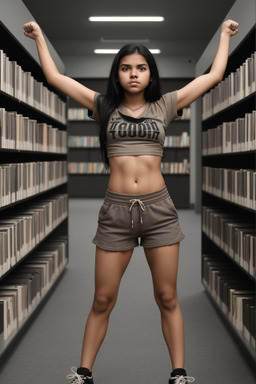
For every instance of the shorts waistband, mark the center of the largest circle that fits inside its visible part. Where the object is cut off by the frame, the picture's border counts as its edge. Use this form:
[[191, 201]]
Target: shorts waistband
[[147, 198]]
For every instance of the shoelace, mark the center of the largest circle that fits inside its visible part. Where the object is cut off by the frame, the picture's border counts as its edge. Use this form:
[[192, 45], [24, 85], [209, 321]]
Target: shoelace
[[76, 379], [183, 379], [141, 205]]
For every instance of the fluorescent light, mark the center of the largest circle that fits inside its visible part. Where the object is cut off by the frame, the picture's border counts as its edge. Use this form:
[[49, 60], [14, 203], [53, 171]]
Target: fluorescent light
[[114, 51], [155, 51], [126, 18], [106, 51]]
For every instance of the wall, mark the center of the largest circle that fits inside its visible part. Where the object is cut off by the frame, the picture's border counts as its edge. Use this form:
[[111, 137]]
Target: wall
[[14, 14], [169, 67], [244, 12]]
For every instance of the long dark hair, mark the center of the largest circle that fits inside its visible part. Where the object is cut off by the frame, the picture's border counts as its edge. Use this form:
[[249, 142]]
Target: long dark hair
[[114, 93]]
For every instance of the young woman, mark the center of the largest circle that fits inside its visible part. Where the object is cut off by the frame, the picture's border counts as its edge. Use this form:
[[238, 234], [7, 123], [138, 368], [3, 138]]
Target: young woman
[[133, 116]]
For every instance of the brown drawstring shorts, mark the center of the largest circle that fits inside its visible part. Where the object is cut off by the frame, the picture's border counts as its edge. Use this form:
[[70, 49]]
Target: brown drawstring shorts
[[127, 221]]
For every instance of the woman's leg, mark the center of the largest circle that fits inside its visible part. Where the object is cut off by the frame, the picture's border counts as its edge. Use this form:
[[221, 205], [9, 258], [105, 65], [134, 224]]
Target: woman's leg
[[163, 262], [109, 269]]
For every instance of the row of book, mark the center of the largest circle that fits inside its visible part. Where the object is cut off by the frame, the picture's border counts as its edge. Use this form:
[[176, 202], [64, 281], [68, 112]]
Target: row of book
[[177, 141], [235, 87], [233, 296], [238, 186], [229, 137], [25, 228], [98, 168], [87, 168], [83, 142], [21, 133], [93, 141], [176, 167], [78, 114], [82, 114], [23, 289], [21, 180], [23, 86], [234, 235], [186, 113]]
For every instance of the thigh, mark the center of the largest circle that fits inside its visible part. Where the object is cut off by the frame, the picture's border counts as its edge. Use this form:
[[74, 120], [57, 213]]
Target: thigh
[[163, 263], [109, 269]]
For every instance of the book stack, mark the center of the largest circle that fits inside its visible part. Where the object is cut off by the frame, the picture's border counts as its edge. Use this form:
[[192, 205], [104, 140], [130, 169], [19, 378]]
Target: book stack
[[87, 168], [83, 142], [176, 168], [19, 181], [186, 113], [78, 114], [235, 185], [23, 290], [234, 297], [177, 141], [235, 236], [235, 87], [23, 230], [231, 137], [22, 133], [21, 85]]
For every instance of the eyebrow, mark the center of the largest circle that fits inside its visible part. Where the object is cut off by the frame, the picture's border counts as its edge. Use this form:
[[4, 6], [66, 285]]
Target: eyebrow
[[138, 65]]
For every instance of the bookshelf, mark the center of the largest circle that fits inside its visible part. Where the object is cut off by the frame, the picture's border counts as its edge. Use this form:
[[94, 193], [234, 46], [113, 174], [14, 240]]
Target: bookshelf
[[87, 177], [33, 189], [229, 194]]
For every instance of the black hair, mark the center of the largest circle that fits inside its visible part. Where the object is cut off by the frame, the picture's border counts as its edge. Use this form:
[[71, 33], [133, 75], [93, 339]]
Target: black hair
[[114, 93]]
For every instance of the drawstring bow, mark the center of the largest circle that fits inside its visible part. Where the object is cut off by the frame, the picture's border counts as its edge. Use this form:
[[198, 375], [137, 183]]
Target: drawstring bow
[[141, 206]]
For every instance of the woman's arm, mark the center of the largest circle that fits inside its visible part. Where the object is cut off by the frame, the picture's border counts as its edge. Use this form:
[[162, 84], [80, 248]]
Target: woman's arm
[[202, 84], [65, 84]]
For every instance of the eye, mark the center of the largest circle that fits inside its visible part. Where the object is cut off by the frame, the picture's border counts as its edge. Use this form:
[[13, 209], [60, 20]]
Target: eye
[[142, 69]]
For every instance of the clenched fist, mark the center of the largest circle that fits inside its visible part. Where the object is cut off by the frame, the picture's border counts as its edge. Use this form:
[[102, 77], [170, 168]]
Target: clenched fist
[[230, 27], [32, 30]]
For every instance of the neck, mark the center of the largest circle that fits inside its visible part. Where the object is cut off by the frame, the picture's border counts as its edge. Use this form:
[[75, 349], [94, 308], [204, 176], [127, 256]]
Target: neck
[[134, 101]]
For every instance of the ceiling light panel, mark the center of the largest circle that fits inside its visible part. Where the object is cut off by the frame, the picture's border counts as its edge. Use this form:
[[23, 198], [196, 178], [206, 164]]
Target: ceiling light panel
[[114, 51], [122, 19]]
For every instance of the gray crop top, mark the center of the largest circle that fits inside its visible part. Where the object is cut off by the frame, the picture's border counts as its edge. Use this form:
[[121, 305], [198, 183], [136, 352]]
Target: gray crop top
[[143, 135]]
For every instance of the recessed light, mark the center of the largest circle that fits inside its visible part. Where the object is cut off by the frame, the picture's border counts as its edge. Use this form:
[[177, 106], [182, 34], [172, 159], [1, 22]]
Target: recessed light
[[126, 18], [114, 51]]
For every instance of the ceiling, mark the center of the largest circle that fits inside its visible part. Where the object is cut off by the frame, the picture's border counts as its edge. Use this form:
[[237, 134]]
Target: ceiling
[[186, 31]]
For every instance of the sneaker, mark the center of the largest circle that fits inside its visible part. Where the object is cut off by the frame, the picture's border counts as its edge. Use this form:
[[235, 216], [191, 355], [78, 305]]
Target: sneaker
[[179, 379], [179, 376], [80, 376]]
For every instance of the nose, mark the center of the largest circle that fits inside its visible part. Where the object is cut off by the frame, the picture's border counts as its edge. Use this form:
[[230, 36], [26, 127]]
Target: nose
[[134, 73]]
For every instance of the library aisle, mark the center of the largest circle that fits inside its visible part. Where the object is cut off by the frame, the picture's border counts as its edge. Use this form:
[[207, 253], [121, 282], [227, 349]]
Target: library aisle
[[134, 350]]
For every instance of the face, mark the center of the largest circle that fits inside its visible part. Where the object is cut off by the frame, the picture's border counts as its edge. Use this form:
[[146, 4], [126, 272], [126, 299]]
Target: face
[[134, 73]]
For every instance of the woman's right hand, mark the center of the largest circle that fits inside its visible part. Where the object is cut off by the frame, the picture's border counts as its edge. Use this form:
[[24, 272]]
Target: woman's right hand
[[32, 30]]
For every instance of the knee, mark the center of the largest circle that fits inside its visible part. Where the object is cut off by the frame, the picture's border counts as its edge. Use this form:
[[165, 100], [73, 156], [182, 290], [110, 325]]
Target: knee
[[167, 301], [103, 303]]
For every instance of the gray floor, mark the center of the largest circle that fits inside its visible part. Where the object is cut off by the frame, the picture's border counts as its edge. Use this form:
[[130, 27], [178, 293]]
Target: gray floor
[[134, 350]]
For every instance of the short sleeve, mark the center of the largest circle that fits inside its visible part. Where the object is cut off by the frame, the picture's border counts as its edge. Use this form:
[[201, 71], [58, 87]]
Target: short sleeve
[[169, 104], [94, 114]]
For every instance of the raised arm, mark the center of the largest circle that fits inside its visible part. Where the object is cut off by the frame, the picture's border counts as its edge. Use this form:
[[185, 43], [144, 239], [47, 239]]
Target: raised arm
[[65, 84], [202, 84]]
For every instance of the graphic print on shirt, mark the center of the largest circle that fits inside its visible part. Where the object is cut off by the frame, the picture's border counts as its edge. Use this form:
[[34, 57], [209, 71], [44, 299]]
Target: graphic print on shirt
[[145, 129]]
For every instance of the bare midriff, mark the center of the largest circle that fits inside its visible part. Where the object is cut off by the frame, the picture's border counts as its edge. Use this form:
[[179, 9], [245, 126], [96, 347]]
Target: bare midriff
[[135, 174]]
